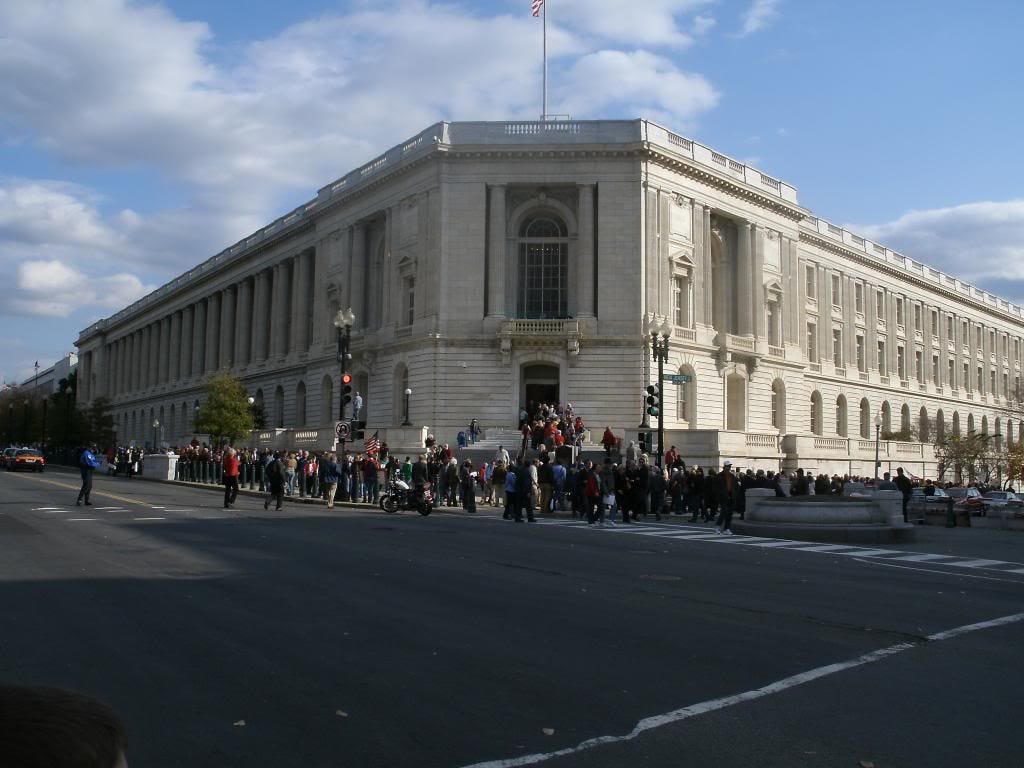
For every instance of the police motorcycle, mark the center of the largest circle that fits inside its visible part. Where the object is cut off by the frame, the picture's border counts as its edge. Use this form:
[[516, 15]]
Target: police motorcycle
[[399, 495]]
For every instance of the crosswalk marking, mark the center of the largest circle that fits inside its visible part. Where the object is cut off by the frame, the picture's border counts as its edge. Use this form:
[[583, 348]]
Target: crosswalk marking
[[976, 563], [698, 534]]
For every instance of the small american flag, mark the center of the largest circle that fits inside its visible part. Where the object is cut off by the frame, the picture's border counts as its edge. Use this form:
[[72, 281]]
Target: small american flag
[[372, 445], [536, 6]]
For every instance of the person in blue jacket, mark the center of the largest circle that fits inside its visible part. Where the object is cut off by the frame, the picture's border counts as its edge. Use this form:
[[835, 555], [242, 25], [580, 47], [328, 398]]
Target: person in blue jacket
[[88, 463]]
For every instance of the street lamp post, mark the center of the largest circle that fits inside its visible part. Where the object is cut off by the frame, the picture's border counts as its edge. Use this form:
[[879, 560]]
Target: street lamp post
[[406, 422], [878, 432], [156, 426], [343, 321], [659, 350], [27, 439]]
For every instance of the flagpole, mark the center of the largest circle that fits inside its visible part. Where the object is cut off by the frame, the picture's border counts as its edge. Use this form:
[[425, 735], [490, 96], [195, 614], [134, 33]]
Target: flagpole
[[544, 112]]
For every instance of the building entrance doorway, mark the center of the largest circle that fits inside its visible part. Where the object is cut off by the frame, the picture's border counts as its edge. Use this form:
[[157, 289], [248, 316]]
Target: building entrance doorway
[[540, 385]]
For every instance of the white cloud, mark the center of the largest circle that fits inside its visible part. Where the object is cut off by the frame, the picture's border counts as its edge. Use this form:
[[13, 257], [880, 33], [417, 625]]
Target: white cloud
[[703, 24], [126, 86], [759, 15], [661, 22], [53, 288], [981, 242]]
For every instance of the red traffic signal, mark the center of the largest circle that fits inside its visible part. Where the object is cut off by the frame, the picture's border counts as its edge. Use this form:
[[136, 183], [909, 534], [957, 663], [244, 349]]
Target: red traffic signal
[[346, 379]]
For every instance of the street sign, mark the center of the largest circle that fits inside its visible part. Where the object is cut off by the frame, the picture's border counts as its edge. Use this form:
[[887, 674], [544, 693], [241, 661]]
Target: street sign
[[343, 430], [677, 378]]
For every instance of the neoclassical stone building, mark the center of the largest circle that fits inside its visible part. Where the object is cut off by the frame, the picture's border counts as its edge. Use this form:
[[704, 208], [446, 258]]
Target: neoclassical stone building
[[488, 264]]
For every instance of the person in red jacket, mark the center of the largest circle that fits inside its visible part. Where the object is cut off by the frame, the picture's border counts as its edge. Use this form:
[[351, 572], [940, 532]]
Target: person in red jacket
[[230, 476]]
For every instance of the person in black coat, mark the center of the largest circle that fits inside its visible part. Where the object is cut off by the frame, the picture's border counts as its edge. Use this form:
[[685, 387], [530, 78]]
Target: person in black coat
[[276, 476], [727, 489]]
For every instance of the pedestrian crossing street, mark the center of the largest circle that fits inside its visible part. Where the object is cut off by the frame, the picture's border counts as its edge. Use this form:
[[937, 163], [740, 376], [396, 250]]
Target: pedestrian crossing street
[[697, 534]]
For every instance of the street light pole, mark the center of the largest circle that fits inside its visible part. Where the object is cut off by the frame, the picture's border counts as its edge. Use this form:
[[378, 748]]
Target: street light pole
[[878, 431], [408, 393], [156, 426], [343, 321], [659, 349]]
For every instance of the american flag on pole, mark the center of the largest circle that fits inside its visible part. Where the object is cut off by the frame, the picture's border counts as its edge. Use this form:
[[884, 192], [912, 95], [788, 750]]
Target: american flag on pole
[[536, 6], [372, 445]]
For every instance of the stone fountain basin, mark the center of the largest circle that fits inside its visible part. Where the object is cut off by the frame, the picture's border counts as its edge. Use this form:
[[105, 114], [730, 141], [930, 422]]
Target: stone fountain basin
[[820, 510]]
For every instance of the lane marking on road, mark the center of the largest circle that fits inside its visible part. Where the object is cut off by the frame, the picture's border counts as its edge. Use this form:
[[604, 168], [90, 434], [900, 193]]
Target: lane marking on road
[[137, 519], [922, 558], [826, 548], [46, 509], [69, 486], [868, 553], [779, 544], [1016, 570], [975, 563], [712, 705], [888, 564], [80, 519]]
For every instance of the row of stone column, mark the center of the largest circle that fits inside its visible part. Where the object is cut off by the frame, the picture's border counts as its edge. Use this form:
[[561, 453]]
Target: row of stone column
[[268, 314]]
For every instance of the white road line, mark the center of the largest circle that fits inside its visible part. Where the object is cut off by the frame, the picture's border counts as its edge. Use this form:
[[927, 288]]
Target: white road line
[[79, 519], [898, 566], [693, 536], [741, 539], [922, 558], [779, 544], [149, 518], [826, 548], [657, 721], [869, 553], [179, 510], [154, 506], [46, 509], [56, 511], [1016, 570], [976, 563]]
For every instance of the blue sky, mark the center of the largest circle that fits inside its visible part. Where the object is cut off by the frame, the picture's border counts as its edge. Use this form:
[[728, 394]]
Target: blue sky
[[139, 138]]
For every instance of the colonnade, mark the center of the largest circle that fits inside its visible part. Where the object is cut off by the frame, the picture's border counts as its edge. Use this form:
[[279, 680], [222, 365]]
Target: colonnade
[[268, 314]]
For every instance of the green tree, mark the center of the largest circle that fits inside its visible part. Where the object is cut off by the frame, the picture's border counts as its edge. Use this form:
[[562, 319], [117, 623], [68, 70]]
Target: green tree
[[225, 414], [99, 424]]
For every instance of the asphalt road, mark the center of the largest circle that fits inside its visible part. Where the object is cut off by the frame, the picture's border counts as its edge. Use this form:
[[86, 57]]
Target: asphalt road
[[353, 638]]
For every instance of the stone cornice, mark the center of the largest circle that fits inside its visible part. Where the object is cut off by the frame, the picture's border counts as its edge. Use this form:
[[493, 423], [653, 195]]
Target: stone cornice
[[903, 276], [735, 188]]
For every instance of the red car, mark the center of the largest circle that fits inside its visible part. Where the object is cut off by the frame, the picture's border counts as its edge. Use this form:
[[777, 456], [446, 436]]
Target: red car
[[27, 458]]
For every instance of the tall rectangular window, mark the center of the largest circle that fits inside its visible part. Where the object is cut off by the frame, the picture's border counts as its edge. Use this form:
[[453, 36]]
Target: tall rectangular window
[[992, 383], [837, 347], [881, 358], [949, 327], [860, 353], [1006, 385], [900, 318], [410, 300], [918, 327], [837, 294], [681, 301], [952, 373], [901, 363], [935, 323], [812, 342], [967, 376], [919, 365], [981, 378], [858, 298], [935, 369], [880, 305], [810, 284]]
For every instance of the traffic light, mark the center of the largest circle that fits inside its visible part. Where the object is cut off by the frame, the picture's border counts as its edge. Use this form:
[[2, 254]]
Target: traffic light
[[346, 389], [643, 442], [358, 430], [653, 399]]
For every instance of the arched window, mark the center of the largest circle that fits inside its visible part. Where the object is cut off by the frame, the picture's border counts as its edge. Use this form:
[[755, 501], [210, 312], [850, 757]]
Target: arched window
[[279, 407], [543, 268], [172, 425], [886, 417], [905, 419], [816, 413], [998, 434], [779, 405], [1009, 431], [327, 407], [841, 428], [399, 383], [300, 404], [956, 423], [940, 426], [865, 418], [984, 425], [686, 398], [970, 423], [924, 431]]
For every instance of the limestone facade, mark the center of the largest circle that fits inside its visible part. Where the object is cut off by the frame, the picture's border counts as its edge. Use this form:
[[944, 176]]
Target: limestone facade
[[491, 263]]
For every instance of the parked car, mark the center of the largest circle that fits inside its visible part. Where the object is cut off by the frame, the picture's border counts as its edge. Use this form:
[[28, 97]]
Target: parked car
[[1003, 500], [27, 458], [7, 456], [939, 495], [968, 498]]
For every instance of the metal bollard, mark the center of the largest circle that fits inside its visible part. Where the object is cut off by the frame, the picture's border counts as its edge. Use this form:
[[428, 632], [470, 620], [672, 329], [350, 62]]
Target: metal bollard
[[950, 514], [302, 484], [259, 473], [252, 475]]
